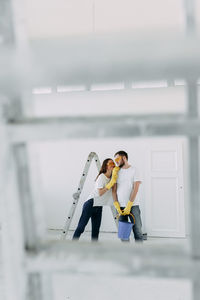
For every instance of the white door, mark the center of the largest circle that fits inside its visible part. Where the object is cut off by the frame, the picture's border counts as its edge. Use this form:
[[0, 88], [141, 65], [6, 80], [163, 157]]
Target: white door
[[165, 215]]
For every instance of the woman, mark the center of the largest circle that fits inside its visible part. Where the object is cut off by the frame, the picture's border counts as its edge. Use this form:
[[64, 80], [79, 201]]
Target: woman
[[101, 195]]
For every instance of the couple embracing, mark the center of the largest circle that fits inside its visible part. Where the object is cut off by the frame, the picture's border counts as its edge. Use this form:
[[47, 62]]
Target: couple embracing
[[118, 184]]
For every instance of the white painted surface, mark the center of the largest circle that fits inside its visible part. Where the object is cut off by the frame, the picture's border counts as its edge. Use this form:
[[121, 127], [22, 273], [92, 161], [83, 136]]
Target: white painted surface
[[165, 189], [138, 15], [63, 18], [139, 101], [57, 18]]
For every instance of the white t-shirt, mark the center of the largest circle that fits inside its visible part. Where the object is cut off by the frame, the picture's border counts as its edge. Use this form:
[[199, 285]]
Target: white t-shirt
[[105, 199], [125, 181]]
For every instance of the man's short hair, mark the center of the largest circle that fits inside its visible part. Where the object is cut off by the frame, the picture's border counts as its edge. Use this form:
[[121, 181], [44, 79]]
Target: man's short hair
[[122, 153]]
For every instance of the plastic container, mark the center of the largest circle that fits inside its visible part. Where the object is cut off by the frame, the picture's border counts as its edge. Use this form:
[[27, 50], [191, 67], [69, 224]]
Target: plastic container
[[124, 229]]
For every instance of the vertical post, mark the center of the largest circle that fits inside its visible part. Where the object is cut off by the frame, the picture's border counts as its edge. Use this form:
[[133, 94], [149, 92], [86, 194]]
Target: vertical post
[[29, 217], [192, 94], [34, 287], [12, 233], [194, 199], [19, 226], [6, 23], [194, 206], [32, 220], [190, 20], [93, 17], [39, 287], [196, 289], [194, 174]]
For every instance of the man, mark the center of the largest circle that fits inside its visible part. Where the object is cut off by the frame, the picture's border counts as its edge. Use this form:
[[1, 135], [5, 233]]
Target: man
[[125, 193]]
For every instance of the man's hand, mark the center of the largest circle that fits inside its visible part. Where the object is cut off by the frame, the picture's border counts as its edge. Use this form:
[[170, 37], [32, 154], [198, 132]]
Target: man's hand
[[127, 209], [117, 206]]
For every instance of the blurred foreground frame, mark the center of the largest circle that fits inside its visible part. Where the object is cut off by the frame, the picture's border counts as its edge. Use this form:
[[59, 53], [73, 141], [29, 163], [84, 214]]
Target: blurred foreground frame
[[29, 260]]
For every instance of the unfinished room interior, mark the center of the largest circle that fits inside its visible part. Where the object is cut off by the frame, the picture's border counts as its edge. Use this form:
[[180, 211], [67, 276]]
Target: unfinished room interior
[[99, 155]]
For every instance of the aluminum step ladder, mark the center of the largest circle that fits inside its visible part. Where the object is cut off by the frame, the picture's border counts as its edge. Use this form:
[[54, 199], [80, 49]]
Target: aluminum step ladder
[[76, 196]]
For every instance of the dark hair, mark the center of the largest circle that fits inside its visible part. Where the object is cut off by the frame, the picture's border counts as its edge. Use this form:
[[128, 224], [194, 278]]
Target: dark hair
[[122, 153], [103, 167]]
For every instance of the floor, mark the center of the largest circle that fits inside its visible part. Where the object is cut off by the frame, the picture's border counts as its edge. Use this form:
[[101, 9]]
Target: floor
[[105, 236], [105, 288]]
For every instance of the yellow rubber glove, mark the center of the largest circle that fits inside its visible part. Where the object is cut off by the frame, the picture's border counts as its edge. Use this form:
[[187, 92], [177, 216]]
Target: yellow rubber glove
[[127, 209], [114, 178], [117, 206]]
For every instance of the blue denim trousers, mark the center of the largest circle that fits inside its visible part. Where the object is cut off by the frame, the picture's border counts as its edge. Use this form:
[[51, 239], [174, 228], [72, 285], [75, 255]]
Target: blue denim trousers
[[93, 212], [137, 228]]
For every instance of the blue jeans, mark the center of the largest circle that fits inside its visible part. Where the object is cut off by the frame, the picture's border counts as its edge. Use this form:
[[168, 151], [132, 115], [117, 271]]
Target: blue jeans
[[95, 213], [137, 228]]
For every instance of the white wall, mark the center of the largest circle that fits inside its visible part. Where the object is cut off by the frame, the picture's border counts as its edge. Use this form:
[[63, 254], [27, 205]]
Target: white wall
[[116, 102], [60, 167], [60, 163], [58, 18]]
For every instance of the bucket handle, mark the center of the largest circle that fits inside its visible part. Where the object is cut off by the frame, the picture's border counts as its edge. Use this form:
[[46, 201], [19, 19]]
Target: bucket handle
[[118, 215]]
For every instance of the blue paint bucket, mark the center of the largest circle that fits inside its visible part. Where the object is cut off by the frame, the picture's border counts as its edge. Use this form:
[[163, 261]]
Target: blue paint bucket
[[124, 229]]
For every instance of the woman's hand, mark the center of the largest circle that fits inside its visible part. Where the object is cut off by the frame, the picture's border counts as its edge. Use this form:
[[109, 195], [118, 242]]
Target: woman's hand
[[114, 178]]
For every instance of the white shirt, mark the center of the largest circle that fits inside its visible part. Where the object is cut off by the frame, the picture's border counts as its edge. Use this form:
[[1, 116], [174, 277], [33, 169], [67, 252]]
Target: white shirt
[[105, 199], [125, 182]]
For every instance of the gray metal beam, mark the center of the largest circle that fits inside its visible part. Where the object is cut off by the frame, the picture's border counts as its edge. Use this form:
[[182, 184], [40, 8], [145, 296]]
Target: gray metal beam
[[99, 127], [6, 23], [194, 173], [12, 229], [100, 59], [29, 218], [194, 166], [190, 19], [192, 96], [158, 260], [13, 32], [194, 199], [34, 287], [196, 288]]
